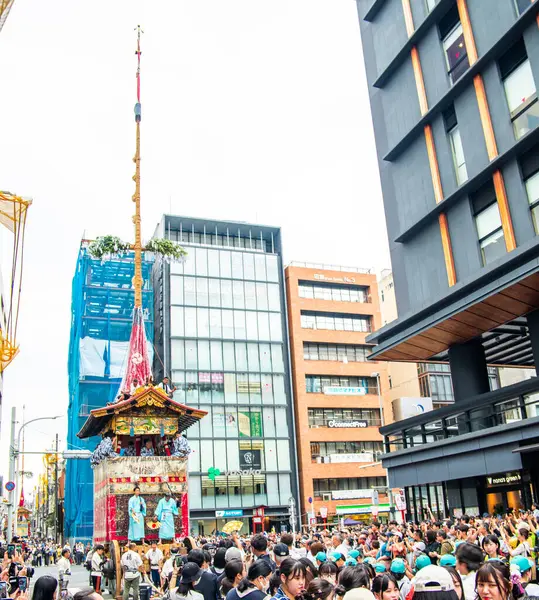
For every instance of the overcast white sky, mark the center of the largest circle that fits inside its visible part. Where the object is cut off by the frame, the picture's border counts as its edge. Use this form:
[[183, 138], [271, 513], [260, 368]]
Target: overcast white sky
[[252, 110]]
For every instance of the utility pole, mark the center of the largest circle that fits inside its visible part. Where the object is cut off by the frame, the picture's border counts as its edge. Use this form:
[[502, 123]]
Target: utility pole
[[56, 492], [11, 494]]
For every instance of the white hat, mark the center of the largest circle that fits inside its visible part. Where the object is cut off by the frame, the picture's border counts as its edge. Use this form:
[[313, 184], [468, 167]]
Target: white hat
[[522, 525], [433, 579]]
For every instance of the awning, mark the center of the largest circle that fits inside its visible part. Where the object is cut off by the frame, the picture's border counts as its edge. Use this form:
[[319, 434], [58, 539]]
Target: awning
[[525, 449]]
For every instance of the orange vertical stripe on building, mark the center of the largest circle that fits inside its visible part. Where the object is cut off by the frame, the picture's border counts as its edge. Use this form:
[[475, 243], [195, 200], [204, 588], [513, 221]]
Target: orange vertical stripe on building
[[505, 214], [433, 163], [484, 113], [467, 31], [408, 18], [448, 252], [420, 84]]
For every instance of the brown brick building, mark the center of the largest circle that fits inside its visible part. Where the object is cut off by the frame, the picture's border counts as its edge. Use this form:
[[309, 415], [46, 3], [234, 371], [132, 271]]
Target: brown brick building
[[331, 311]]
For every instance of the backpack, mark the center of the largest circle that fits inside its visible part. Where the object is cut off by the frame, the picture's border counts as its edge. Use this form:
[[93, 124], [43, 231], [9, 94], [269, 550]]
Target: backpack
[[88, 561]]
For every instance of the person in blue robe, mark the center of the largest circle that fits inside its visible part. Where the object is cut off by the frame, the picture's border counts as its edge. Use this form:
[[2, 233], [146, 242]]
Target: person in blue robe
[[165, 512], [137, 512]]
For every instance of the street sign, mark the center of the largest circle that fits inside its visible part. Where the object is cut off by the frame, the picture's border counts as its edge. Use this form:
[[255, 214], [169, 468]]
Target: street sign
[[10, 486], [324, 512], [310, 499], [400, 502], [312, 521], [374, 511], [375, 497]]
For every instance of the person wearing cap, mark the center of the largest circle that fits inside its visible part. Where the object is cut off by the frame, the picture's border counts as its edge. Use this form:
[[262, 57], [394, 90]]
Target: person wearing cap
[[280, 552], [421, 562], [399, 571], [338, 558], [321, 558], [433, 582], [525, 567], [448, 560], [350, 562], [206, 583], [185, 588], [380, 567], [469, 558]]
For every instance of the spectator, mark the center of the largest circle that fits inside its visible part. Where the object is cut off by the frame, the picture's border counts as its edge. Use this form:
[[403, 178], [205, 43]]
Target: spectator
[[185, 589], [131, 566], [234, 573], [155, 558], [259, 546], [469, 558], [206, 582], [292, 575], [385, 587], [45, 588], [97, 567]]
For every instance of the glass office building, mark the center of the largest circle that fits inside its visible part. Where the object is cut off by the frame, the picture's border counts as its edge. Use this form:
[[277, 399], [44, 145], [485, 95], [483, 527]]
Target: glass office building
[[221, 330]]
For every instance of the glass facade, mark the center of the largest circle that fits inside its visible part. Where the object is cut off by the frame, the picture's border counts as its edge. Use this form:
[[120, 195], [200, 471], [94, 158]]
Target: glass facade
[[335, 321], [326, 486], [319, 384], [227, 357], [328, 448]]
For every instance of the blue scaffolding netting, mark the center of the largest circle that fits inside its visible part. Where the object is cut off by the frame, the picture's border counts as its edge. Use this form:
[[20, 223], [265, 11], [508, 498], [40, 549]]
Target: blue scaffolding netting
[[101, 313]]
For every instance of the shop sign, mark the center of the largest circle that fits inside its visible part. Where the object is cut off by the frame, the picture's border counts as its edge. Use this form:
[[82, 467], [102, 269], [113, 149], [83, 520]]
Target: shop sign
[[243, 473], [348, 424], [323, 277], [324, 512], [399, 500], [345, 391], [365, 457], [250, 459], [361, 509], [225, 514], [351, 494], [504, 479]]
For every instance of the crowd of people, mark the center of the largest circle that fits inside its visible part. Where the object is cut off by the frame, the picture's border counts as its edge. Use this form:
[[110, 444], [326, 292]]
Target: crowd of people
[[463, 559]]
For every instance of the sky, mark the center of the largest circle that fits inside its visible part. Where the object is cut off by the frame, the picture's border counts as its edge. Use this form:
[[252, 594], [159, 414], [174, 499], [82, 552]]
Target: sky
[[251, 111]]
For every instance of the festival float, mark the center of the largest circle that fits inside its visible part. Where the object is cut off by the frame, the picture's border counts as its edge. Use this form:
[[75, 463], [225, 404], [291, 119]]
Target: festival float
[[140, 466]]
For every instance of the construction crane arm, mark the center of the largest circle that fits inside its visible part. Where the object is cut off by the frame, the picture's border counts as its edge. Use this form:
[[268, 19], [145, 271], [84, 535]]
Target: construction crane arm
[[5, 5]]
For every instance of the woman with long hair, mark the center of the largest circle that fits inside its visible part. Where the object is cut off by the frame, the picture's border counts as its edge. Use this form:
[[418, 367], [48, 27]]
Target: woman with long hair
[[311, 571], [494, 581], [385, 587], [457, 581], [255, 585], [45, 588], [292, 575]]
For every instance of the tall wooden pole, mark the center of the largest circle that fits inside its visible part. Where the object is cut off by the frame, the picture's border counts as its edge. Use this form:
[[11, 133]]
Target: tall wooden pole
[[137, 279]]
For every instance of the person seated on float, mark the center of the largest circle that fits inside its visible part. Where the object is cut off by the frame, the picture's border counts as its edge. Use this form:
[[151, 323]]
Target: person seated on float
[[134, 386], [167, 387], [180, 446], [130, 450], [105, 449], [163, 447], [147, 449], [125, 395]]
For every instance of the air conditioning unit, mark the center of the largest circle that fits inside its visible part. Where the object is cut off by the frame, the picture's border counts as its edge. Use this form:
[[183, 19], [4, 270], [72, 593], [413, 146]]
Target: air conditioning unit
[[326, 497]]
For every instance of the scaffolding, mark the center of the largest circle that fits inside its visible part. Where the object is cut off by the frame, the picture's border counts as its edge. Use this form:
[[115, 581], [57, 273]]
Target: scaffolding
[[101, 319]]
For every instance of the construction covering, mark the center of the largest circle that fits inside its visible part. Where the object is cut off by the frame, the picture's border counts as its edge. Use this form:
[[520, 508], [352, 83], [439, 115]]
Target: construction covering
[[101, 321]]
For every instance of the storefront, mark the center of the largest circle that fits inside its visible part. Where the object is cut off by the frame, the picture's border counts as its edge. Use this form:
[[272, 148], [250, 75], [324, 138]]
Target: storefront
[[210, 525], [493, 494]]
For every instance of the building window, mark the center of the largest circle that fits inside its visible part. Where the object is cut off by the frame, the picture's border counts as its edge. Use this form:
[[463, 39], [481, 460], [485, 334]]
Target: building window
[[335, 321], [522, 5], [456, 56], [323, 451], [321, 417], [326, 486], [340, 386], [345, 353], [333, 292], [488, 224], [520, 90], [453, 132], [529, 165]]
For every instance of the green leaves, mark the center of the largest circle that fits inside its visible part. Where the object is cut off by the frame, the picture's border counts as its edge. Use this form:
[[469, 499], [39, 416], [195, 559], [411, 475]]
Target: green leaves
[[109, 246], [166, 248]]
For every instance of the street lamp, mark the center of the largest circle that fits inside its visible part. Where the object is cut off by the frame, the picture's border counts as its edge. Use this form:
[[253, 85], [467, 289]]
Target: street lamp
[[13, 460]]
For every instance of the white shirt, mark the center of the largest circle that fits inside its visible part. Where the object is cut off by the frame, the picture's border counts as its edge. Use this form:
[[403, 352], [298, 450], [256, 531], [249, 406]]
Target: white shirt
[[131, 560], [97, 565], [468, 586], [65, 566], [342, 549], [532, 589], [155, 557], [168, 567]]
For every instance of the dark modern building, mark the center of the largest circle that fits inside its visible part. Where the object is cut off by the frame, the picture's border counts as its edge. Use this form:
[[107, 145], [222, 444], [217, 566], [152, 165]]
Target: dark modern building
[[452, 86], [221, 334]]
